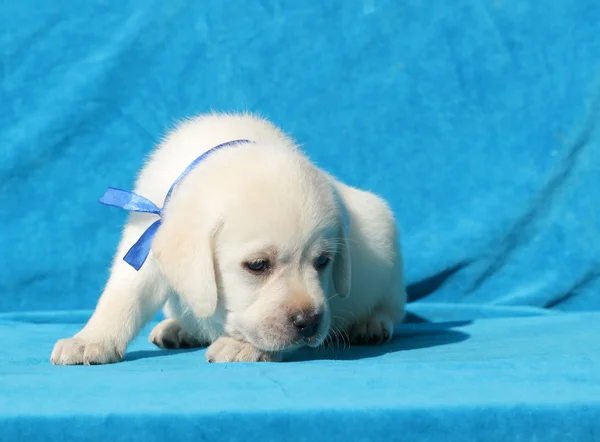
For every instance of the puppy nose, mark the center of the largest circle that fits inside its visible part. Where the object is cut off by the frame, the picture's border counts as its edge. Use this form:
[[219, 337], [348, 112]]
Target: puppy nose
[[307, 324]]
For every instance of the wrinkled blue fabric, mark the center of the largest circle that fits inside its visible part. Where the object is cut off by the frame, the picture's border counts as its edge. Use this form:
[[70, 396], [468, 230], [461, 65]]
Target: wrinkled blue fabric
[[477, 120], [531, 377]]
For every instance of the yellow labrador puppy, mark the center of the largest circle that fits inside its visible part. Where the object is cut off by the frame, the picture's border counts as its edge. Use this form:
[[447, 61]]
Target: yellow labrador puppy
[[255, 252]]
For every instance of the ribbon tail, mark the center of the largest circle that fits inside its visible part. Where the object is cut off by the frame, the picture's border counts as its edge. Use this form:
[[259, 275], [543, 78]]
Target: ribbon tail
[[137, 254], [129, 201]]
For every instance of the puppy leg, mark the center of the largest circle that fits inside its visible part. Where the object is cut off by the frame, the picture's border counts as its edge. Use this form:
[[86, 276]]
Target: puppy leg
[[129, 301], [169, 334], [377, 328], [226, 349]]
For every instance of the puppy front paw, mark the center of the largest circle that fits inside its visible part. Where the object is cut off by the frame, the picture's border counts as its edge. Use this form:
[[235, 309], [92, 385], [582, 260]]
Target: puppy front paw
[[169, 334], [82, 351], [374, 330], [226, 349]]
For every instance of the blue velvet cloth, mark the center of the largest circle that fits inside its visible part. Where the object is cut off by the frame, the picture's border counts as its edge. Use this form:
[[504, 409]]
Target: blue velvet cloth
[[531, 377], [477, 120]]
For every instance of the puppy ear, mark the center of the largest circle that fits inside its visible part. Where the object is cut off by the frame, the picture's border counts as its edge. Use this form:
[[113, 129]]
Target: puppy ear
[[342, 264], [184, 254], [342, 268]]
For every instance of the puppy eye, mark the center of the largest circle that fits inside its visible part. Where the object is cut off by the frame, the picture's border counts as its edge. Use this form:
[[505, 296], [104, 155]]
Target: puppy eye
[[258, 266], [321, 262]]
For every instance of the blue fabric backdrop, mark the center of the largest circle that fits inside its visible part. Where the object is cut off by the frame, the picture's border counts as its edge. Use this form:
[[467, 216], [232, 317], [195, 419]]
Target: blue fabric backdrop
[[477, 120]]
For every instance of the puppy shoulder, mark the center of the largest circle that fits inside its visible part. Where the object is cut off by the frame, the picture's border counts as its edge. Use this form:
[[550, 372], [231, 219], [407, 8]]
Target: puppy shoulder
[[367, 207]]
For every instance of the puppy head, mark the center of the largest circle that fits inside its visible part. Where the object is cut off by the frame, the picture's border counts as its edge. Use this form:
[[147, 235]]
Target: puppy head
[[266, 245]]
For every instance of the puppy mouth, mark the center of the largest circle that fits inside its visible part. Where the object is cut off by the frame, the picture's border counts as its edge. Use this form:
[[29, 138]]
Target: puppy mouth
[[314, 341], [289, 344], [281, 336], [319, 337]]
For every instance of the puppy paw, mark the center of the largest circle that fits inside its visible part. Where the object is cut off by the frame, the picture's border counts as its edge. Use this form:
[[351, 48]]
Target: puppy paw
[[169, 334], [226, 349], [375, 330], [79, 350]]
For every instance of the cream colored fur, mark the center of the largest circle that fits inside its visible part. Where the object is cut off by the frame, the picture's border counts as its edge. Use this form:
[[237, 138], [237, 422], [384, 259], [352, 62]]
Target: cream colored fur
[[248, 202]]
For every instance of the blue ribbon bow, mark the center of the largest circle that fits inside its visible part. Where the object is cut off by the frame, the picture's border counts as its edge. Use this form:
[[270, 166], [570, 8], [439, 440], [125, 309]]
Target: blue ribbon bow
[[132, 202]]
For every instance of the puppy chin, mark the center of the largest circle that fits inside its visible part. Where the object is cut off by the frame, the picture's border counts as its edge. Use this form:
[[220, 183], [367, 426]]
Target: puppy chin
[[287, 344], [318, 339], [315, 342], [278, 337]]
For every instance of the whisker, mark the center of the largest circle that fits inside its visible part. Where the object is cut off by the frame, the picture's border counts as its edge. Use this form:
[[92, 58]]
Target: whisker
[[349, 312], [345, 336], [347, 339], [339, 337], [332, 296], [339, 318], [343, 339], [334, 338]]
